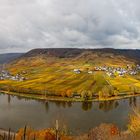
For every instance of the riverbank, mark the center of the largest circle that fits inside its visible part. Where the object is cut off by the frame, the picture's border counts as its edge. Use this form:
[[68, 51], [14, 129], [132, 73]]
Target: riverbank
[[67, 99]]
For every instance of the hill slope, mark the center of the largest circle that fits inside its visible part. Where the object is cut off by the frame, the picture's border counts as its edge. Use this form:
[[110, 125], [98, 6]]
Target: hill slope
[[73, 52], [8, 57], [69, 72]]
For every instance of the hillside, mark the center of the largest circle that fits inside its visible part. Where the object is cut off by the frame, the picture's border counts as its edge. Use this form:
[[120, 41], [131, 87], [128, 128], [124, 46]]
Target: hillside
[[8, 57], [75, 72], [73, 53]]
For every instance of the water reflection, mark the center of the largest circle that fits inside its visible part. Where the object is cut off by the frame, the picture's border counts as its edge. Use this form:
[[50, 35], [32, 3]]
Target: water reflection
[[86, 106], [47, 107], [133, 102], [9, 99], [108, 105], [62, 104]]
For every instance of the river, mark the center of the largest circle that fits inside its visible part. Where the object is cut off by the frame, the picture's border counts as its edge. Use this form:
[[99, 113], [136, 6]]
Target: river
[[16, 112]]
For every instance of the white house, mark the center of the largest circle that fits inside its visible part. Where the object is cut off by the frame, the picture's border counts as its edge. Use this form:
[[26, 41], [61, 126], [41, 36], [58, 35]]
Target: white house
[[77, 71], [90, 72]]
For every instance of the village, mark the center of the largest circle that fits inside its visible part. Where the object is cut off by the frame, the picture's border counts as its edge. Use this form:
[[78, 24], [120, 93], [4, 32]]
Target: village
[[110, 71], [113, 71], [6, 75]]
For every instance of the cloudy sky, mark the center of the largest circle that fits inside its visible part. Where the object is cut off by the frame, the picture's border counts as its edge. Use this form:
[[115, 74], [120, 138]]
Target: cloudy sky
[[28, 24]]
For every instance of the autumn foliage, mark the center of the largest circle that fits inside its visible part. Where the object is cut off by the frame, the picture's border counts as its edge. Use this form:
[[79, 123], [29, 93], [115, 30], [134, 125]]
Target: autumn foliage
[[31, 134]]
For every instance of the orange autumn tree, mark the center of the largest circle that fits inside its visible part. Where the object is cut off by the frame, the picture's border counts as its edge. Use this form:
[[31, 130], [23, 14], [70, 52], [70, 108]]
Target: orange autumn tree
[[69, 93], [31, 134]]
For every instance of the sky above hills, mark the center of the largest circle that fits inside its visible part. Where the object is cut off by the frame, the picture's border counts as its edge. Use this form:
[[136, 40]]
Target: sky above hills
[[28, 24]]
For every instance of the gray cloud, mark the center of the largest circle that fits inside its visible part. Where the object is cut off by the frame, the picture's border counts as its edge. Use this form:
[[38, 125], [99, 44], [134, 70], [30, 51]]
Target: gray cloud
[[27, 24]]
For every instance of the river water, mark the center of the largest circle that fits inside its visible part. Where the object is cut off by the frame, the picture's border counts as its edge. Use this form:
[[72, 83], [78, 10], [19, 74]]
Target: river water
[[16, 112]]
